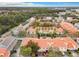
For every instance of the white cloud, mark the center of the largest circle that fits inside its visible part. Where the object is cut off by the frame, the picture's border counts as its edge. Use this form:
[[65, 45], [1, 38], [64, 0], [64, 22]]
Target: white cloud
[[21, 4], [39, 0]]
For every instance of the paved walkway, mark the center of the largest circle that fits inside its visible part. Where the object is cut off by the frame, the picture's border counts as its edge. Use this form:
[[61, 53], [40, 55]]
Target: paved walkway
[[74, 54]]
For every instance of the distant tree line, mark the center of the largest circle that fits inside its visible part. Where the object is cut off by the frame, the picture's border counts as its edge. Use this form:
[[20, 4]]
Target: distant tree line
[[11, 19]]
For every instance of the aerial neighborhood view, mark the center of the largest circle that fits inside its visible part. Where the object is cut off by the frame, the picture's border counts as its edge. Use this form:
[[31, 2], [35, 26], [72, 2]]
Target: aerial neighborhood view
[[39, 31]]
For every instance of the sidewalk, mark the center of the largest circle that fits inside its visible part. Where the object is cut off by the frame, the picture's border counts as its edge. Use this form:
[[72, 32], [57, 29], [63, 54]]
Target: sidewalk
[[74, 54]]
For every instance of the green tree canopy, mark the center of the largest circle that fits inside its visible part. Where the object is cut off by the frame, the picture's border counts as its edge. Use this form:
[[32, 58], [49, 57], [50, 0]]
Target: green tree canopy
[[54, 52], [34, 46], [25, 51]]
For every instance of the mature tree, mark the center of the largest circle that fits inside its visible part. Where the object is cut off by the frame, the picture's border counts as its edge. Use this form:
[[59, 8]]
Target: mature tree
[[34, 46], [38, 34], [25, 51], [54, 52], [77, 34], [54, 34], [22, 34], [77, 51], [11, 19], [69, 53]]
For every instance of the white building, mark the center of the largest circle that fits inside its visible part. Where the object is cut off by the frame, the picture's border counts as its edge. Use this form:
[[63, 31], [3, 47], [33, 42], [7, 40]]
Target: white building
[[8, 43], [77, 25], [16, 30], [48, 18], [77, 40], [69, 19]]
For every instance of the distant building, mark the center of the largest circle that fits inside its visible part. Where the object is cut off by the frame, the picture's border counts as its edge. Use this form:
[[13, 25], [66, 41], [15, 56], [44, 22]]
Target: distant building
[[76, 25], [59, 19], [49, 18], [77, 40], [62, 13], [77, 10], [69, 19]]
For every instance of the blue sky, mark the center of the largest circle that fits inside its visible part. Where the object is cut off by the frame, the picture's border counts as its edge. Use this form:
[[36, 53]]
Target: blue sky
[[59, 3], [38, 4]]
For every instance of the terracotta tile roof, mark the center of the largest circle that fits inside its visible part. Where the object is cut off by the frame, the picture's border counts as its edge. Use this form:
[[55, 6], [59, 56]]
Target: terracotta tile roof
[[43, 42], [69, 27], [56, 42], [66, 42], [4, 52]]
